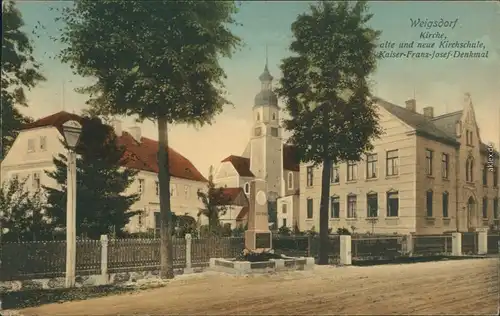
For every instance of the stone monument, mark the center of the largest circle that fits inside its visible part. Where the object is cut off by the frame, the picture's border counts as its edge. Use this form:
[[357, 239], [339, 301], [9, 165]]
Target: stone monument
[[258, 237]]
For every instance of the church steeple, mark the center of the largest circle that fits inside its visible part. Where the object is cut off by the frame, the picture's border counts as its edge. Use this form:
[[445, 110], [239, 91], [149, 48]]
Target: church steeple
[[266, 96]]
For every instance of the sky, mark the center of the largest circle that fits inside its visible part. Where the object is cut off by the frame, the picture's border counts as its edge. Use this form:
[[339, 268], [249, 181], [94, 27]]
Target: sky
[[433, 82]]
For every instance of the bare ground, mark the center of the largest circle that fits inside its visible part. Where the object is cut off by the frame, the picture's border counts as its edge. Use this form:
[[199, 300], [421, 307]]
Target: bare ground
[[449, 287]]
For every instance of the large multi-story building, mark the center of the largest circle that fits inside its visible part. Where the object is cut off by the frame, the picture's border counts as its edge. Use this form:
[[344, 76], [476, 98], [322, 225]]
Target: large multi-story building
[[426, 174], [36, 145]]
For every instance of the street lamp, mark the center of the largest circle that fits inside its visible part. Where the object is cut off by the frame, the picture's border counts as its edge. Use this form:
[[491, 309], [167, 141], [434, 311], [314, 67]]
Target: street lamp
[[71, 131]]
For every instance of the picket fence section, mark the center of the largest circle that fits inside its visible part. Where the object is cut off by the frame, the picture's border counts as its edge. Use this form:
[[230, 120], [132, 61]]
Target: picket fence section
[[46, 259]]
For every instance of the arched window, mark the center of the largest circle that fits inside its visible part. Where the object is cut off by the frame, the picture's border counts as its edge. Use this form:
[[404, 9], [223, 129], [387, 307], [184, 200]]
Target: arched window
[[247, 188], [469, 170], [351, 205], [274, 116], [392, 203], [445, 204], [258, 117], [290, 180]]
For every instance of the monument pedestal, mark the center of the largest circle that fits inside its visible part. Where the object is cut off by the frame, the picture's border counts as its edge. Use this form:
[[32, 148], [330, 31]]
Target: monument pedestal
[[258, 237], [258, 240]]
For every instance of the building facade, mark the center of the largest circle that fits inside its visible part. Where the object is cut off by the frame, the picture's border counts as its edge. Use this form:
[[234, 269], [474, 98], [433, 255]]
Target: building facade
[[35, 147], [426, 175], [266, 158]]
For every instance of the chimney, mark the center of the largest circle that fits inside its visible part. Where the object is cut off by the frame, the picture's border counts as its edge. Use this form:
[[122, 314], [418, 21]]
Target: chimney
[[429, 112], [135, 131], [411, 105], [117, 126]]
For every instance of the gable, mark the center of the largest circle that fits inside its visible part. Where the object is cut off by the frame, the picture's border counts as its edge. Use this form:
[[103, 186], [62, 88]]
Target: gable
[[225, 170]]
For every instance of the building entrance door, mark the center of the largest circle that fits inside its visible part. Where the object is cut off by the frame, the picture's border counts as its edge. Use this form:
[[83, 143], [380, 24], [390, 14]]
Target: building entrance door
[[471, 214]]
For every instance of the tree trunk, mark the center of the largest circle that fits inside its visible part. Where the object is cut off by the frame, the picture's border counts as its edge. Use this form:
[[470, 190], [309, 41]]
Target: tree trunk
[[166, 253], [324, 240]]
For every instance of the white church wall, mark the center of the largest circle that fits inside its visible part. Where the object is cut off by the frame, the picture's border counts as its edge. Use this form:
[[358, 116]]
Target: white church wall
[[226, 175]]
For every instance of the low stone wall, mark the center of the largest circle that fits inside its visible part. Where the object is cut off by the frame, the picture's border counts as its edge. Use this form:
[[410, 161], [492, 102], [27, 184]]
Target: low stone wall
[[273, 265], [90, 280]]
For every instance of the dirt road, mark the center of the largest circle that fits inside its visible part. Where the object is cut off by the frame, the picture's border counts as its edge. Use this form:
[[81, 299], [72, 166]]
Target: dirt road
[[449, 287]]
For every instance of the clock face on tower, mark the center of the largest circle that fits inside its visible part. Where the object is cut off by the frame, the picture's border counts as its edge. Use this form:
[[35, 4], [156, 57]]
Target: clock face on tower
[[258, 131]]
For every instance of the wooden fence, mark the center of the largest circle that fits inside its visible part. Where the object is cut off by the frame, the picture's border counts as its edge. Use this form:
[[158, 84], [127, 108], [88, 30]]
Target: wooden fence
[[29, 260]]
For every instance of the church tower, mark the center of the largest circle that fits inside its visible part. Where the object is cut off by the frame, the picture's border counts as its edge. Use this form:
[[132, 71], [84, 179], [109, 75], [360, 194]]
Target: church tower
[[266, 146]]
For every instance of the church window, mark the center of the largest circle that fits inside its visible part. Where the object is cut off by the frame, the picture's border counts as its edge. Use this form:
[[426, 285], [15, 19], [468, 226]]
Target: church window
[[258, 117], [468, 138], [458, 128], [309, 208], [469, 168], [290, 181], [274, 116], [258, 131], [274, 131], [247, 188], [310, 176]]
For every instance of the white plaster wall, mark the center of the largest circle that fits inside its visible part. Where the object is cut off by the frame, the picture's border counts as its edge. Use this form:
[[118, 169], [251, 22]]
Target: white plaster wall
[[226, 175], [287, 212], [184, 199], [230, 216]]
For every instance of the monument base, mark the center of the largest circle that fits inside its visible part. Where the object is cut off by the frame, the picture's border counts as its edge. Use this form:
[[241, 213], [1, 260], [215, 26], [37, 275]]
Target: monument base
[[233, 266], [258, 240]]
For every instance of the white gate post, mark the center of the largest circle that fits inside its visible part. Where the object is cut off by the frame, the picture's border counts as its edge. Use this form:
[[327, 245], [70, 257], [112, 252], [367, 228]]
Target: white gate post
[[482, 242], [409, 244], [456, 244], [188, 268], [345, 250], [104, 259]]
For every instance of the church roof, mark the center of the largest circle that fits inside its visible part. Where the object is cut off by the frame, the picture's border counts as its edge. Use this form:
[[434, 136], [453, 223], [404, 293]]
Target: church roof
[[242, 164], [235, 196], [266, 75], [266, 97]]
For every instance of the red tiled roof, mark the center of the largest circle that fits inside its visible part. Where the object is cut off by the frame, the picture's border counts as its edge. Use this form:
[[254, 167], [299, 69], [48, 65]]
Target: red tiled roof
[[140, 156], [235, 196], [242, 214], [241, 164], [57, 120]]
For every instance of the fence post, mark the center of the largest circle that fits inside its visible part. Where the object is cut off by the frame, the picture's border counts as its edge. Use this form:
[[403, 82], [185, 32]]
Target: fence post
[[104, 259], [309, 245], [482, 242], [345, 250], [188, 268], [456, 244]]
